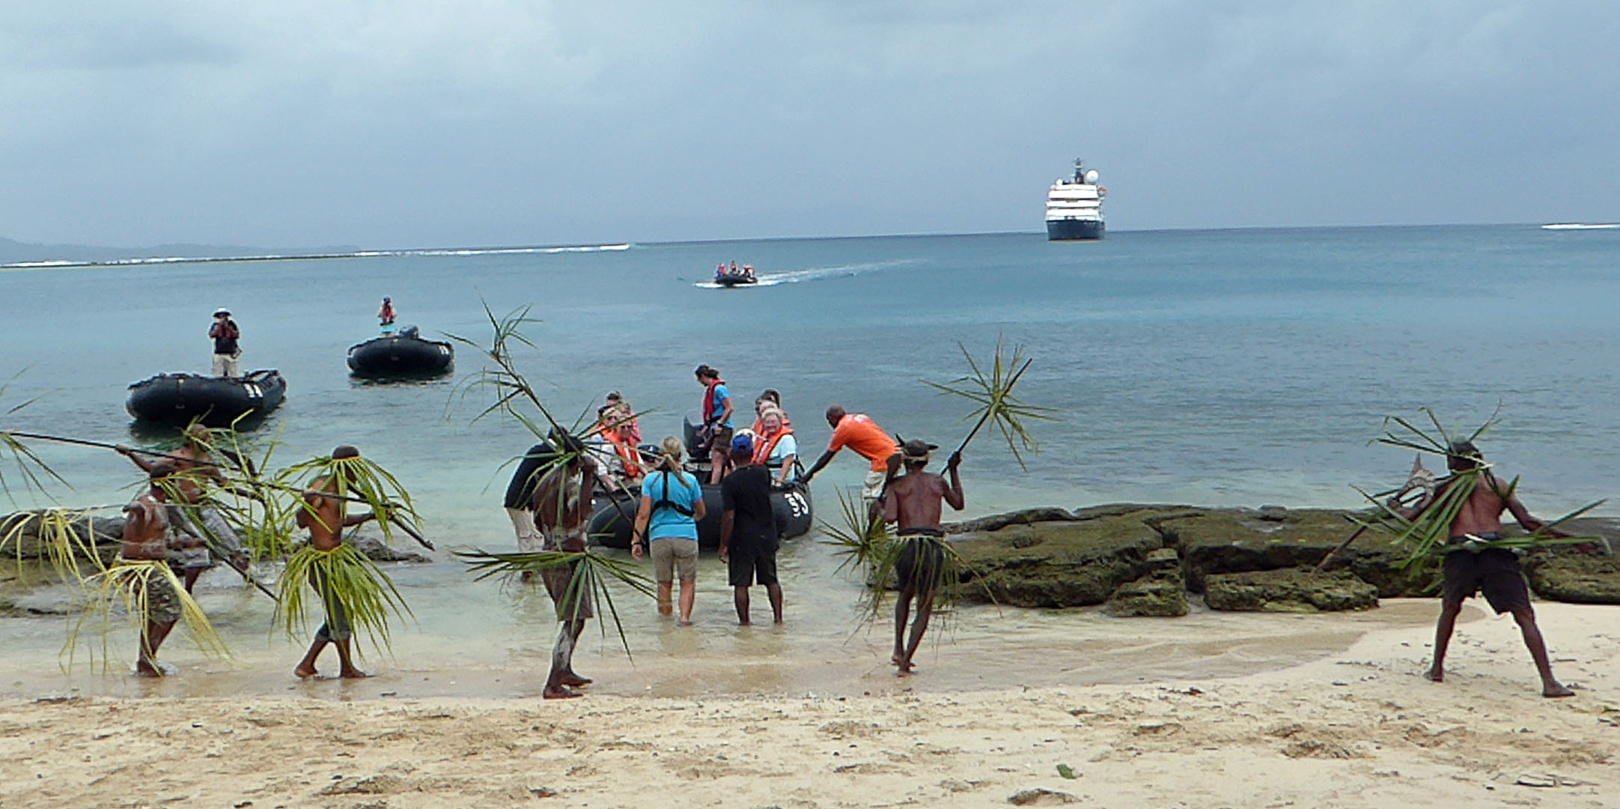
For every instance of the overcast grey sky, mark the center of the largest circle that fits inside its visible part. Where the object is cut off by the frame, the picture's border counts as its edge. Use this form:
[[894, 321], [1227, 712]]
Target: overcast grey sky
[[405, 123]]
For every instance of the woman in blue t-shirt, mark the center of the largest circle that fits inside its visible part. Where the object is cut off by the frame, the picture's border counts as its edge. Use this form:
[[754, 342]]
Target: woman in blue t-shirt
[[671, 505]]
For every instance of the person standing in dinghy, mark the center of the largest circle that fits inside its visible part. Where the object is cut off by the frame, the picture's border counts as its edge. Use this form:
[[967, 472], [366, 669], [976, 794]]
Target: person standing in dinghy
[[227, 353]]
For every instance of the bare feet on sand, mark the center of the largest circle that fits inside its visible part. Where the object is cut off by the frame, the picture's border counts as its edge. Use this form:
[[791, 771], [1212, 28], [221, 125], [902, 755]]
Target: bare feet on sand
[[354, 674], [1434, 676], [572, 679], [1555, 689], [560, 693], [144, 668], [305, 672]]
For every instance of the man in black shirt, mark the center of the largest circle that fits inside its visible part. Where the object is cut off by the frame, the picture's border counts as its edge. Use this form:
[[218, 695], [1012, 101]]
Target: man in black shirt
[[748, 519], [519, 499]]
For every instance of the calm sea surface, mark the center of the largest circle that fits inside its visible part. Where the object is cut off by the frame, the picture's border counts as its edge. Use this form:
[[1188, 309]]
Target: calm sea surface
[[1218, 367]]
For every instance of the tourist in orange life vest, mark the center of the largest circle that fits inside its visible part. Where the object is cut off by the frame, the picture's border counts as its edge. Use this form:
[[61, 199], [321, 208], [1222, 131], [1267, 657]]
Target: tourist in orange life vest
[[717, 411], [770, 399], [776, 448], [859, 433]]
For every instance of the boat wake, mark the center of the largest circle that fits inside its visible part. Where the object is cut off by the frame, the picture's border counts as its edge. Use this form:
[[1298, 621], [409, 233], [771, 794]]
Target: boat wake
[[771, 279], [1579, 226]]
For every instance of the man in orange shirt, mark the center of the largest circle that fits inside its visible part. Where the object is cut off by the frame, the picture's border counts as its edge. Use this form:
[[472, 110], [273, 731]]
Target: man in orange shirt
[[859, 433]]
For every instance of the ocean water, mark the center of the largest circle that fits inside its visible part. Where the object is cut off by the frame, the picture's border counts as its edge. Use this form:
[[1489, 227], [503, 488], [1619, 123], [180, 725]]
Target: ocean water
[[1240, 368]]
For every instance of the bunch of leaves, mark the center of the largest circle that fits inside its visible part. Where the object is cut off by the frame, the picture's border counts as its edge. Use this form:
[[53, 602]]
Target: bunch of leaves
[[869, 547], [515, 397], [30, 470], [859, 539], [125, 584], [65, 537], [993, 393], [346, 577], [357, 478], [1428, 530], [592, 571]]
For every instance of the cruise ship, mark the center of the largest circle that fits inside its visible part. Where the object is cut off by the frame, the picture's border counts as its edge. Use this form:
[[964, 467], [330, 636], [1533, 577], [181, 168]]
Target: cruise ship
[[1074, 206]]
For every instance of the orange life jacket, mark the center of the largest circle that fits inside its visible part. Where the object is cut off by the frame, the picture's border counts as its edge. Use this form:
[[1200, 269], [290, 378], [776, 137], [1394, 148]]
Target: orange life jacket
[[762, 451], [627, 453]]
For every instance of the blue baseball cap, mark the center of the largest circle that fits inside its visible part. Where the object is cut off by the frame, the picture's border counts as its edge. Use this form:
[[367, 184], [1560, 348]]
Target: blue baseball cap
[[742, 443]]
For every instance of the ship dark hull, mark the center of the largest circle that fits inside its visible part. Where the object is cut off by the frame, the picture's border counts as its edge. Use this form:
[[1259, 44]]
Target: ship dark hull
[[1063, 230], [729, 281], [179, 399], [391, 357], [611, 522]]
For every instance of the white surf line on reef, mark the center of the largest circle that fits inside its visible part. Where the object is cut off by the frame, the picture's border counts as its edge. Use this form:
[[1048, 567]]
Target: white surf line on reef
[[437, 251], [770, 279], [1580, 226]]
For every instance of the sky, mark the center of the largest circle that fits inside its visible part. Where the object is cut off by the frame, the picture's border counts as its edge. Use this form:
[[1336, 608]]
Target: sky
[[404, 123]]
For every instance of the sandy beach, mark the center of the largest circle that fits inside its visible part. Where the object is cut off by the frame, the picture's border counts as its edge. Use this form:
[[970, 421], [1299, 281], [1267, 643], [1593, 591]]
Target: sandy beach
[[1356, 726]]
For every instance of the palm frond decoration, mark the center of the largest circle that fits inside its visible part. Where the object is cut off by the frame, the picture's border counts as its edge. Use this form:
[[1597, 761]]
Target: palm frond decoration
[[66, 540], [358, 478], [30, 471], [993, 393], [1428, 532], [870, 548], [592, 571], [346, 585], [514, 397], [126, 584], [859, 540]]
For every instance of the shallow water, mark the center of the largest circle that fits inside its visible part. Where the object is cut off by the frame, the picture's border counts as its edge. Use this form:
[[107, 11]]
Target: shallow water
[[1224, 367]]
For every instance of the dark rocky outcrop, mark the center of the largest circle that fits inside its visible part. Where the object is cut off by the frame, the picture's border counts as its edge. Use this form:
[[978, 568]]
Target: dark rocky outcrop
[[1057, 564], [1162, 593], [1217, 541], [1288, 590]]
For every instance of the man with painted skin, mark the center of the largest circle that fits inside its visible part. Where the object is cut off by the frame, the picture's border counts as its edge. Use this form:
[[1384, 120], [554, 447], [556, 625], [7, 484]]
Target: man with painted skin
[[326, 518], [1493, 571], [859, 433], [191, 462], [562, 507], [150, 536], [913, 502]]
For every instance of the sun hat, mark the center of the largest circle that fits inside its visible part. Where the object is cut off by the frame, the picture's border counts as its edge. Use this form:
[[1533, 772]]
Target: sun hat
[[222, 311], [917, 450]]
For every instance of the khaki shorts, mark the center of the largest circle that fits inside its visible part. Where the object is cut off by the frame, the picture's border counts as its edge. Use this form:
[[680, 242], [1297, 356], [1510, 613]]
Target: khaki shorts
[[670, 553], [528, 537], [872, 487], [228, 365]]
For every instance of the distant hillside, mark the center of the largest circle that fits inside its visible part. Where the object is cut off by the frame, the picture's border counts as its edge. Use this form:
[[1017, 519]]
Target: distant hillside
[[14, 252]]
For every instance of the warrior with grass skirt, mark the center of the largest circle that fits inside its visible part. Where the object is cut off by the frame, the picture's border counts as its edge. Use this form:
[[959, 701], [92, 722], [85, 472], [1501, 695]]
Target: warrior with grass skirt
[[325, 518], [193, 462], [562, 506], [149, 535], [913, 502], [1494, 571]]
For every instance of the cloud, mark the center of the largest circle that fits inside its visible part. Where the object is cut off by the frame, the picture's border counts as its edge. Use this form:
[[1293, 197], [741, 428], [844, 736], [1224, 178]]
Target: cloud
[[413, 122]]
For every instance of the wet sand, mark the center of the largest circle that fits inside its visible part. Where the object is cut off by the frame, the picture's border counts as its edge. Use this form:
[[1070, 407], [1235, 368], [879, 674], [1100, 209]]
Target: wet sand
[[1331, 711]]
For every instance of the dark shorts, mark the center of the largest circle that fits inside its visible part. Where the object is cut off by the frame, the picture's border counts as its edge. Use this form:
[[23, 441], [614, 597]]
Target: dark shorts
[[337, 626], [922, 557], [1493, 571], [746, 565]]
